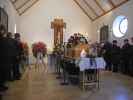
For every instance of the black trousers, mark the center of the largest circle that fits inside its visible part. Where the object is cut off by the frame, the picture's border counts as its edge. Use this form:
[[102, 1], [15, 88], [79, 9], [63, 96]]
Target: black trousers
[[2, 76], [4, 73], [108, 64], [131, 67], [115, 67], [16, 70], [126, 66]]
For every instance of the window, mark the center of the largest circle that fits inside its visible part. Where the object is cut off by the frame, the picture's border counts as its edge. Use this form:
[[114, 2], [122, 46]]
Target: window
[[15, 28], [120, 26]]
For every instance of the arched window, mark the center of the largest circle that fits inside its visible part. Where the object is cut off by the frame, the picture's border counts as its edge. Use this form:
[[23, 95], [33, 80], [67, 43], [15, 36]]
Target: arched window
[[120, 26]]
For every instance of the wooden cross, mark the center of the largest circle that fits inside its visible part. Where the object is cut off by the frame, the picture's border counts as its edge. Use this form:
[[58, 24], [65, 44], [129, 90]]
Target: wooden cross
[[58, 25]]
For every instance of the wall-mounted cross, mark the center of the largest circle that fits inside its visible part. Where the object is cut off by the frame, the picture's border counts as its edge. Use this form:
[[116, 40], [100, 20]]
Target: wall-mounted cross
[[58, 25]]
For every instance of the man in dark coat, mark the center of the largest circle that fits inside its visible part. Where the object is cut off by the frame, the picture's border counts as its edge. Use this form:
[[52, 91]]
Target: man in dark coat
[[12, 53], [115, 56], [3, 59], [126, 54], [131, 58], [19, 52], [107, 54]]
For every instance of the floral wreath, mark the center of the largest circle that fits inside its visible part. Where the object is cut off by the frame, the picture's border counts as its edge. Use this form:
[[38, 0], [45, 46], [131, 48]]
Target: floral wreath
[[39, 47]]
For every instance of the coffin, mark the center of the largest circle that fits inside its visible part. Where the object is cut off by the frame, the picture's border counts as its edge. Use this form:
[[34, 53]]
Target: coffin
[[75, 52]]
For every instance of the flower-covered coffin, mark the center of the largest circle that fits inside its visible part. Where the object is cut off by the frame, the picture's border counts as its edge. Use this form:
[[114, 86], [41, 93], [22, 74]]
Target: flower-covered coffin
[[76, 44], [76, 51]]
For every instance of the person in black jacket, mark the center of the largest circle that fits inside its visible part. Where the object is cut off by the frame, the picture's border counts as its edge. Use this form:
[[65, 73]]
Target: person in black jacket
[[3, 59], [18, 55], [106, 49], [12, 53], [131, 58], [126, 54], [115, 56]]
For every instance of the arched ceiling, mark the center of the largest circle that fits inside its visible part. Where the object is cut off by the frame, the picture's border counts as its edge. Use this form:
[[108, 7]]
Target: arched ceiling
[[94, 9], [23, 5]]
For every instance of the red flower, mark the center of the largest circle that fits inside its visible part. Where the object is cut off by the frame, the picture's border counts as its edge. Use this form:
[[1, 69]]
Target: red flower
[[39, 47]]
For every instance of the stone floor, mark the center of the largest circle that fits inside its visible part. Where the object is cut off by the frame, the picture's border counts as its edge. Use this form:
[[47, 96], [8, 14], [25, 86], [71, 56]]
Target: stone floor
[[39, 85]]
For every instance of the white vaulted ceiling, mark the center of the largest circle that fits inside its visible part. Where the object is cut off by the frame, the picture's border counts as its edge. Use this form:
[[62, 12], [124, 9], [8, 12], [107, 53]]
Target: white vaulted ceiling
[[23, 5], [94, 9]]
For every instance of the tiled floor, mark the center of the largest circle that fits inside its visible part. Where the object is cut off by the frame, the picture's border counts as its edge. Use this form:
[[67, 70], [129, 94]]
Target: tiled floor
[[38, 85]]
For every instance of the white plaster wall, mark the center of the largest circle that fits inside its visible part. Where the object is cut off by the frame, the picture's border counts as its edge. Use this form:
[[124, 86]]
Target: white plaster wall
[[12, 15], [35, 24], [108, 19]]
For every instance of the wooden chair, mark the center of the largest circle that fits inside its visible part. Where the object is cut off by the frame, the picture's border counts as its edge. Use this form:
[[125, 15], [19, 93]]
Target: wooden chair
[[89, 77]]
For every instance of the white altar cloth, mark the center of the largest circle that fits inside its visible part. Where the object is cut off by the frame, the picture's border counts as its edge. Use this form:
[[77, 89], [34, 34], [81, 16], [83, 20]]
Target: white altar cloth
[[96, 63]]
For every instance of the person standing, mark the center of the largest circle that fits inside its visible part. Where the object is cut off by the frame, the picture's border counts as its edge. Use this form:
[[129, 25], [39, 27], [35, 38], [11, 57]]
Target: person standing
[[125, 56], [3, 59], [12, 50], [131, 58], [115, 56], [19, 53], [106, 49]]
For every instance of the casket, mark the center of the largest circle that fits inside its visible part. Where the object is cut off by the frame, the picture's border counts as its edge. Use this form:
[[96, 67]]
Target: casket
[[75, 52]]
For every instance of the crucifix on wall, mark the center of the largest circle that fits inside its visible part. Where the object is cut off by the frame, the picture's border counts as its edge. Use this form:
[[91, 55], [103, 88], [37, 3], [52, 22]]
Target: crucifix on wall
[[58, 25]]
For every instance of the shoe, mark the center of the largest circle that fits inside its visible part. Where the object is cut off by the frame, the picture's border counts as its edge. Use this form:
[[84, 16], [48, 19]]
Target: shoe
[[0, 97], [3, 88], [11, 80], [18, 78]]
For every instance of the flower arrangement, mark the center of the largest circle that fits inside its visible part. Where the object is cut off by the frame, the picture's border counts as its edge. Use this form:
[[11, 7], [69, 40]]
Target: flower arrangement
[[76, 39], [39, 47]]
